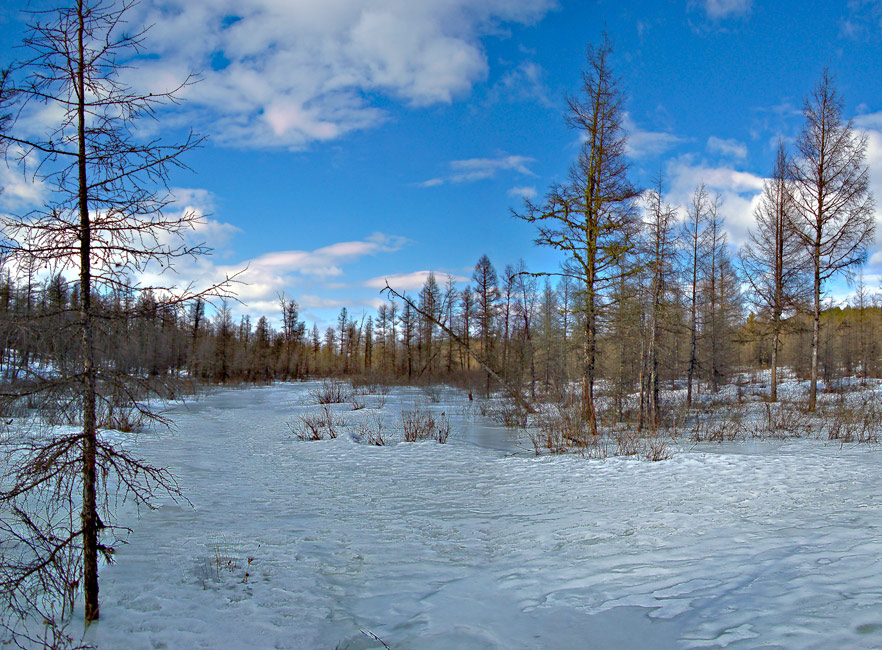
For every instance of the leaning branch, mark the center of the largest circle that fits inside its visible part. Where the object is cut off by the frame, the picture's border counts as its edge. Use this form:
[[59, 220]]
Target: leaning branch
[[513, 392]]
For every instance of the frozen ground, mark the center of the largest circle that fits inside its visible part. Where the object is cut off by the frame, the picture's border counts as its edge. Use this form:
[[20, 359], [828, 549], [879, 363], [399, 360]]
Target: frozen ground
[[465, 545]]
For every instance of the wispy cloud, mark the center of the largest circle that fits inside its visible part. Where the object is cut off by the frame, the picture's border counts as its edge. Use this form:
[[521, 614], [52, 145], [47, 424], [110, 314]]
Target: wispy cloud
[[476, 169], [409, 281], [262, 278], [647, 144], [729, 148], [525, 82], [718, 9], [863, 18], [523, 192]]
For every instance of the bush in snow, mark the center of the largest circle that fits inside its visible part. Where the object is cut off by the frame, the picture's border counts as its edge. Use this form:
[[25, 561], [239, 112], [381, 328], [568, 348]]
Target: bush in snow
[[419, 423], [316, 425], [330, 391]]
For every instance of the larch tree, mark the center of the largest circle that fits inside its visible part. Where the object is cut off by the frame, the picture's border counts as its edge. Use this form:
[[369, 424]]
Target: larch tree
[[486, 295], [106, 220], [465, 318], [773, 260], [832, 205], [694, 235], [713, 318], [659, 256], [592, 218]]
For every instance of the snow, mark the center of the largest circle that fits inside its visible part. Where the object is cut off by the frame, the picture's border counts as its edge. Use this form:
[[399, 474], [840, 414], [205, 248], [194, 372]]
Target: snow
[[477, 544]]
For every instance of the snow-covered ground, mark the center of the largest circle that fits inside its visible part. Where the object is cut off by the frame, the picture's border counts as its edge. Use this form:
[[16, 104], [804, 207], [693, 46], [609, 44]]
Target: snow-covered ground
[[292, 544]]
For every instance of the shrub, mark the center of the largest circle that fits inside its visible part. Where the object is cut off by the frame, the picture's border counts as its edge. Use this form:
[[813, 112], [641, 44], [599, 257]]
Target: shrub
[[371, 431], [317, 425], [330, 391], [419, 423], [657, 448]]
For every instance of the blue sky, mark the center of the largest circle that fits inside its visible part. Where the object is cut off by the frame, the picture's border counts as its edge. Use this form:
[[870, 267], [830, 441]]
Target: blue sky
[[356, 140]]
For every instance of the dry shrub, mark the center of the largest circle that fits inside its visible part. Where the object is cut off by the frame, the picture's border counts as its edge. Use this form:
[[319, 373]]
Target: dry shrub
[[127, 419], [506, 413], [317, 425], [782, 420], [547, 442], [356, 401], [371, 430], [720, 425], [330, 391], [419, 423], [852, 423], [627, 443], [567, 424], [657, 448]]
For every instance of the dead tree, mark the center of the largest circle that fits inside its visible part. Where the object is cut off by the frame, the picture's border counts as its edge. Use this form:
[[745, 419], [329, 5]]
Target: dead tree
[[105, 220], [773, 261], [832, 205]]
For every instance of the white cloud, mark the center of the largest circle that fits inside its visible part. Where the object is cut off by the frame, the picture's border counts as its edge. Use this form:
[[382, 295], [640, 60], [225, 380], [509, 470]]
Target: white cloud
[[18, 192], [647, 144], [874, 161], [869, 121], [523, 192], [281, 73], [409, 281], [261, 279], [308, 301], [524, 82], [716, 9], [476, 169], [730, 148], [739, 192]]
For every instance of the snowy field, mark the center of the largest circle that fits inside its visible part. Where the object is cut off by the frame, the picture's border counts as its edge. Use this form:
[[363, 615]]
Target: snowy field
[[479, 544]]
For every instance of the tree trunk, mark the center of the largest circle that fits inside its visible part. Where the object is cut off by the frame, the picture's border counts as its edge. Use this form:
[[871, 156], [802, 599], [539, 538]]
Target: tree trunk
[[816, 336], [89, 514]]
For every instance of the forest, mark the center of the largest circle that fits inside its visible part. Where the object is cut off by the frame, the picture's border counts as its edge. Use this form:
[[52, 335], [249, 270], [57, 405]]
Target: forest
[[653, 326]]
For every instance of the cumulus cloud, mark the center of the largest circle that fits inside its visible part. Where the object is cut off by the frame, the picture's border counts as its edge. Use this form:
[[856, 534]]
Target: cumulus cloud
[[729, 148], [874, 161], [739, 192], [289, 73], [476, 169]]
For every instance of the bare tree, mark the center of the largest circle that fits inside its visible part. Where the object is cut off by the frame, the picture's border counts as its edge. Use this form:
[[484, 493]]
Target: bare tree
[[105, 219], [833, 207], [694, 228], [772, 258], [592, 218], [486, 310], [659, 255]]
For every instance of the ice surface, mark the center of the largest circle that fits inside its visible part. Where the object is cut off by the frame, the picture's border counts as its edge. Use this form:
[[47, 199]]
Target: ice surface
[[467, 545]]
